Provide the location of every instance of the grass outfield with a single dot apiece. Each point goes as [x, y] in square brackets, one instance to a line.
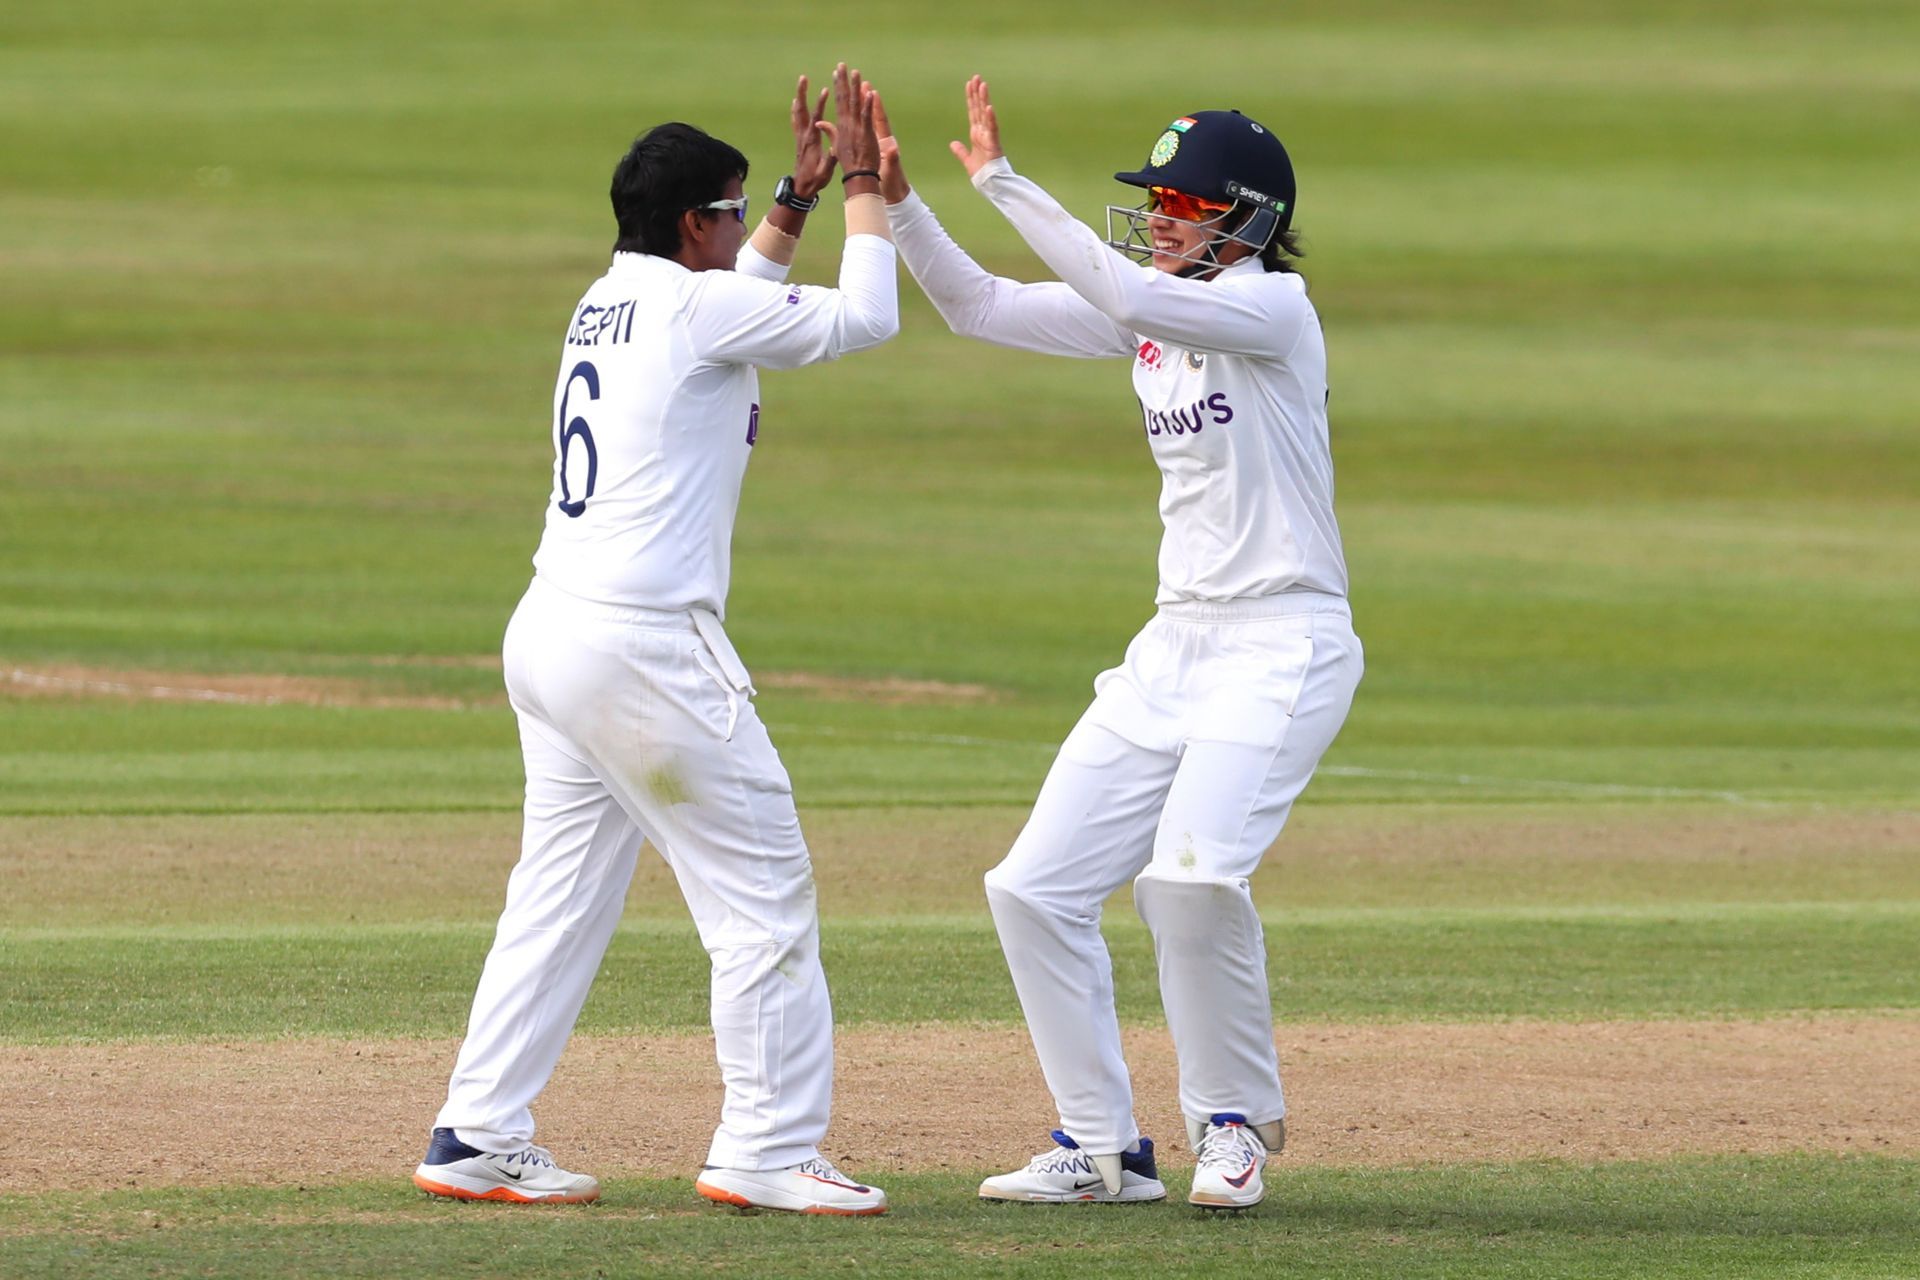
[1781, 1217]
[1418, 966]
[1621, 306]
[1623, 312]
[269, 927]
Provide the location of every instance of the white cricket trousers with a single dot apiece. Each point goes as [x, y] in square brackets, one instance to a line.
[1178, 777]
[636, 723]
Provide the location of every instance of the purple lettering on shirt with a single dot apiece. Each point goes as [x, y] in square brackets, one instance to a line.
[580, 323]
[753, 425]
[1222, 411]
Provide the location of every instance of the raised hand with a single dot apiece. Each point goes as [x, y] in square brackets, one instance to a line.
[983, 130]
[893, 178]
[812, 161]
[855, 146]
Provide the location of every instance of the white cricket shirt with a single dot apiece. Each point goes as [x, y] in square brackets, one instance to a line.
[1231, 375]
[657, 409]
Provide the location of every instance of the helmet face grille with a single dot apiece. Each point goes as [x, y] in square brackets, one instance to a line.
[1130, 230]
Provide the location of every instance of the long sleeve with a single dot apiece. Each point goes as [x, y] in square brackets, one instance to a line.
[1240, 314]
[759, 266]
[737, 318]
[1049, 318]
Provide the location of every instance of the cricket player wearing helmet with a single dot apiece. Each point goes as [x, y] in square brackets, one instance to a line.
[635, 713]
[1181, 773]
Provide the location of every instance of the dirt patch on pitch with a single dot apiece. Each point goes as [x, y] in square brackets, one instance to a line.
[971, 1098]
[883, 690]
[256, 690]
[270, 690]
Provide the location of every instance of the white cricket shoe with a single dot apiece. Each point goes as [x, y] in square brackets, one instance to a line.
[528, 1176]
[812, 1186]
[1065, 1174]
[1231, 1156]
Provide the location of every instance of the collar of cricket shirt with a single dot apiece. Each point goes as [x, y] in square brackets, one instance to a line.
[629, 264]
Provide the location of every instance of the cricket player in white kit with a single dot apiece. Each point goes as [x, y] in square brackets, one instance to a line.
[635, 713]
[1181, 773]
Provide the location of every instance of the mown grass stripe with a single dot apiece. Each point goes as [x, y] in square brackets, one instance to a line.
[1119, 918]
[1395, 966]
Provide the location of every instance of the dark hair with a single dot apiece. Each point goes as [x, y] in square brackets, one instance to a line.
[670, 169]
[1281, 252]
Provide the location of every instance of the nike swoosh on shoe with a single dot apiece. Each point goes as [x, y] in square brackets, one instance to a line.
[850, 1186]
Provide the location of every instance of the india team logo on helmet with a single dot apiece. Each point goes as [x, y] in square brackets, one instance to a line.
[1214, 156]
[1169, 144]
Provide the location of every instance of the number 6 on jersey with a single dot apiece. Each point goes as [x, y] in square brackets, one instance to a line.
[582, 372]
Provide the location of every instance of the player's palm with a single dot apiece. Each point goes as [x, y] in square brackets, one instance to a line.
[983, 130]
[893, 175]
[812, 161]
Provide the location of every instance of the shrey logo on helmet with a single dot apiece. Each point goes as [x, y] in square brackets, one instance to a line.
[1220, 156]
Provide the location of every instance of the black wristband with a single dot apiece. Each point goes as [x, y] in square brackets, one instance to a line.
[851, 174]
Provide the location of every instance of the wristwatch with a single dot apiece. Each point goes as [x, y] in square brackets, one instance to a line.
[783, 194]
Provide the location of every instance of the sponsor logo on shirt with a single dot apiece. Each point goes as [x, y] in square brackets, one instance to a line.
[1189, 420]
[1151, 355]
[793, 296]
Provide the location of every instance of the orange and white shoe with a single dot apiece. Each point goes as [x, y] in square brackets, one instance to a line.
[527, 1176]
[812, 1186]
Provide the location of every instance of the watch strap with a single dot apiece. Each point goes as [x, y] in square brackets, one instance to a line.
[783, 194]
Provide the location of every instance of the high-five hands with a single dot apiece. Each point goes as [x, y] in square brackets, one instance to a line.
[812, 161]
[855, 145]
[893, 178]
[983, 130]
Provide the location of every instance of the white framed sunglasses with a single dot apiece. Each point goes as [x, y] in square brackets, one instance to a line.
[738, 206]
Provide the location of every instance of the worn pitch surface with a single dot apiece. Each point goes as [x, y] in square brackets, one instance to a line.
[969, 1098]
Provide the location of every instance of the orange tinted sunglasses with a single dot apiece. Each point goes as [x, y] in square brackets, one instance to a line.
[1178, 204]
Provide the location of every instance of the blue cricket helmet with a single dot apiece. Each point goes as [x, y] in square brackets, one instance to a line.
[1220, 156]
[1224, 156]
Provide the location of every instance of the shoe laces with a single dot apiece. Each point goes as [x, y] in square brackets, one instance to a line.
[1229, 1148]
[1061, 1158]
[821, 1167]
[533, 1155]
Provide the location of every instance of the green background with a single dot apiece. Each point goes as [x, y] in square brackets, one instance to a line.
[1623, 313]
